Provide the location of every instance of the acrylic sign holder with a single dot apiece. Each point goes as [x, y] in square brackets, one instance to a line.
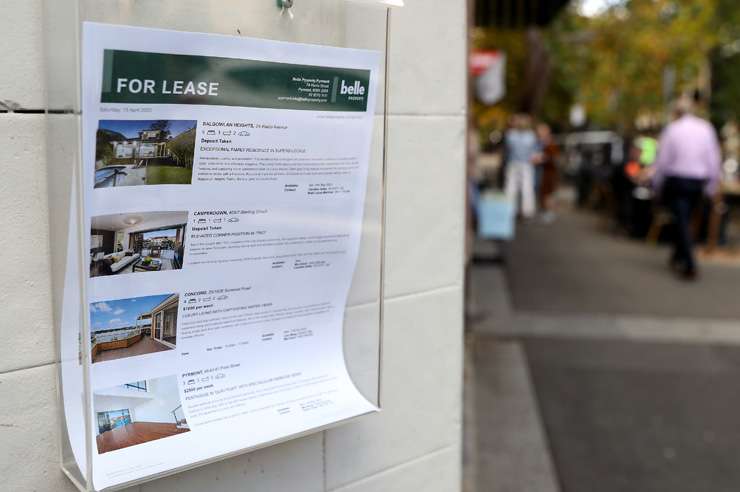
[361, 24]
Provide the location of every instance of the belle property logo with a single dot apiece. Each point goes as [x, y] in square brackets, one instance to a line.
[356, 89]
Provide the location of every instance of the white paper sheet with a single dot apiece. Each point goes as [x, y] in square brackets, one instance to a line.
[224, 187]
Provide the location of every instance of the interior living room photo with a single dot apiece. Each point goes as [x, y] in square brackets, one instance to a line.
[138, 412]
[131, 327]
[137, 242]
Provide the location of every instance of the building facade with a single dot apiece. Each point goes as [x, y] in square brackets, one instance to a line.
[164, 321]
[148, 145]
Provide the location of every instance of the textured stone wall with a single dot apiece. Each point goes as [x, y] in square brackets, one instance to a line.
[414, 443]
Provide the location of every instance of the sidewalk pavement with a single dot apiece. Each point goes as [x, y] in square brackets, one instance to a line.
[577, 266]
[506, 449]
[571, 390]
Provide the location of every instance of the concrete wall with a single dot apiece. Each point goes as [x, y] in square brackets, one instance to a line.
[414, 444]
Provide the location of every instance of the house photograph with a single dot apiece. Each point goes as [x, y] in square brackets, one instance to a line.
[144, 152]
[130, 327]
[137, 242]
[138, 412]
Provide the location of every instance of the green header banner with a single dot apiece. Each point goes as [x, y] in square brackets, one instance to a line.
[157, 78]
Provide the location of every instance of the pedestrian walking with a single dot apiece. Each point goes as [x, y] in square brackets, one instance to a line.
[549, 172]
[522, 153]
[687, 167]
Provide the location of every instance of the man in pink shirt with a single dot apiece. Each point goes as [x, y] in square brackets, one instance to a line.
[688, 165]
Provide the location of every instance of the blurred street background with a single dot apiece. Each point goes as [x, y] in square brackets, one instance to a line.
[603, 252]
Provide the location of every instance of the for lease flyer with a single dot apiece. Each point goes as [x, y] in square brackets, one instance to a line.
[224, 187]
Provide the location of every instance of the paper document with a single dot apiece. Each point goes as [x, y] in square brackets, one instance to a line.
[224, 188]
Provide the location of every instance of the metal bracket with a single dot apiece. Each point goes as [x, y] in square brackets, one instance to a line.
[285, 6]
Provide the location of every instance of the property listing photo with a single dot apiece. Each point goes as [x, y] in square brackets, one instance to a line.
[138, 242]
[144, 152]
[138, 412]
[136, 326]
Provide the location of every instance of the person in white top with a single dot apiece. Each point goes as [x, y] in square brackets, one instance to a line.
[522, 153]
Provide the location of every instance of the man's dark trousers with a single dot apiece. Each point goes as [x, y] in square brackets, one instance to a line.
[682, 195]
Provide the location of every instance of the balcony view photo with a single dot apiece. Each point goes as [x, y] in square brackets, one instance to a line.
[130, 327]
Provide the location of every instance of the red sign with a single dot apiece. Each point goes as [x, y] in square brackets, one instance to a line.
[481, 60]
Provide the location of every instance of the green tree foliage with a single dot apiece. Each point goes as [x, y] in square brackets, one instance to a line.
[162, 125]
[182, 148]
[103, 148]
[725, 103]
[633, 58]
[626, 62]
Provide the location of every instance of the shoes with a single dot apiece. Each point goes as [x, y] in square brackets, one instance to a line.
[547, 217]
[682, 271]
[688, 274]
[675, 264]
